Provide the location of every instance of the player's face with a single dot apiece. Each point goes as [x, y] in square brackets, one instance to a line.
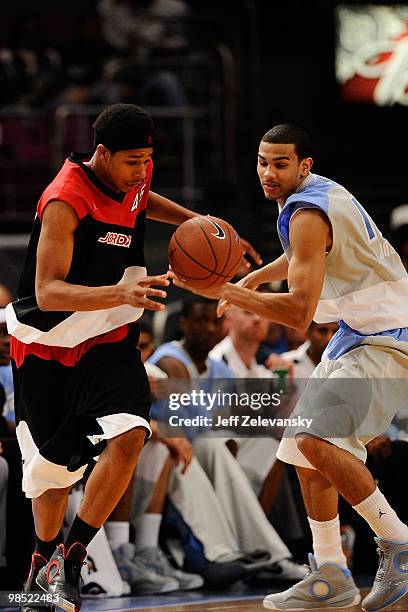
[126, 170]
[320, 336]
[145, 345]
[280, 170]
[248, 326]
[202, 328]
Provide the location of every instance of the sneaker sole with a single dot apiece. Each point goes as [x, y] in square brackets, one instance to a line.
[191, 586]
[269, 605]
[155, 591]
[63, 604]
[390, 602]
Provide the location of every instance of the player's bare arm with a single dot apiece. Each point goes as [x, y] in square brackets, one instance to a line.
[274, 271]
[309, 236]
[162, 209]
[54, 257]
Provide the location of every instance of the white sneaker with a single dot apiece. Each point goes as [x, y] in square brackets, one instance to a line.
[329, 586]
[157, 558]
[285, 570]
[141, 575]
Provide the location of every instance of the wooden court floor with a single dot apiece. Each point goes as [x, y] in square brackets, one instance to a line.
[251, 605]
[233, 606]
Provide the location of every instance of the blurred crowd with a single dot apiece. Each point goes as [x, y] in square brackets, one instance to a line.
[117, 50]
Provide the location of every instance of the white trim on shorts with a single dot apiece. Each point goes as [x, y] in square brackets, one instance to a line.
[40, 475]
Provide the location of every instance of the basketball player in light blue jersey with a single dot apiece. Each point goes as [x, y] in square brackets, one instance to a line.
[339, 268]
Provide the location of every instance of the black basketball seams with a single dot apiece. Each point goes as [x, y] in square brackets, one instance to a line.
[209, 243]
[192, 258]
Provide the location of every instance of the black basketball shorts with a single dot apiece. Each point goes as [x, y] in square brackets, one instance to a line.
[65, 414]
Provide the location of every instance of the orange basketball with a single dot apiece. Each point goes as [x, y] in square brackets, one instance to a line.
[205, 252]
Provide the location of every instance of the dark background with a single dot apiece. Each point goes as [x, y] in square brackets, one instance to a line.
[282, 70]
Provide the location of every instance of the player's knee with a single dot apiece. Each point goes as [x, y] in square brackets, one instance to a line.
[130, 443]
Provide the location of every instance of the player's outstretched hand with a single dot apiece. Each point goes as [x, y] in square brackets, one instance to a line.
[212, 294]
[249, 282]
[139, 292]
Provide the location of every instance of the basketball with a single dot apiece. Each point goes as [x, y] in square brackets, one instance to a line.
[205, 252]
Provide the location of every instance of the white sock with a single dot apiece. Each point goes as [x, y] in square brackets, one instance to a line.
[117, 533]
[382, 519]
[147, 535]
[327, 541]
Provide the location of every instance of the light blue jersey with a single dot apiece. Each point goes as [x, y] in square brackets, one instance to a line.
[216, 376]
[365, 286]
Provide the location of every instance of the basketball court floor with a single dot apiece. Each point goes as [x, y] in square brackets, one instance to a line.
[237, 599]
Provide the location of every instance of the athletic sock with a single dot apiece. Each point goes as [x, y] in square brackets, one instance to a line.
[117, 533]
[327, 541]
[80, 532]
[46, 549]
[147, 535]
[382, 519]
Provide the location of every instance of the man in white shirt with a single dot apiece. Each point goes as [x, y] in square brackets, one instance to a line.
[238, 349]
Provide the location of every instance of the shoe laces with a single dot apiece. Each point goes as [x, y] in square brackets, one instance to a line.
[384, 557]
[164, 561]
[73, 575]
[140, 563]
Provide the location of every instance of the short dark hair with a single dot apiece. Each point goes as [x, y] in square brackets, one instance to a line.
[145, 326]
[289, 133]
[123, 126]
[189, 303]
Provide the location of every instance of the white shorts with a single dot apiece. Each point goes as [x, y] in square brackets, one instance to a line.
[349, 401]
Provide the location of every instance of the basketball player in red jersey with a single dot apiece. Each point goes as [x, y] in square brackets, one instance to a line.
[80, 390]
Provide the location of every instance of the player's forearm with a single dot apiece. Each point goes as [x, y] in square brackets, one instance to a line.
[57, 295]
[293, 310]
[275, 271]
[162, 209]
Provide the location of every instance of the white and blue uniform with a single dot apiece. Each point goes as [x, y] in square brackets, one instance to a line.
[365, 290]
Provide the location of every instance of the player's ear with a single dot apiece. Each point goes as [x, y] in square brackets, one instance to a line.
[103, 152]
[306, 166]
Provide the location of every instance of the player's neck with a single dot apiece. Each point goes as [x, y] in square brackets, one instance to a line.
[198, 356]
[245, 349]
[100, 173]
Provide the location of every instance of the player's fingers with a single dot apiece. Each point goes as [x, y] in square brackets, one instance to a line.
[249, 249]
[152, 305]
[155, 292]
[160, 279]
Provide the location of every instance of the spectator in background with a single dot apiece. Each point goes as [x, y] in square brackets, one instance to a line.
[256, 455]
[309, 354]
[294, 338]
[241, 522]
[142, 31]
[30, 71]
[142, 28]
[16, 523]
[6, 376]
[83, 59]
